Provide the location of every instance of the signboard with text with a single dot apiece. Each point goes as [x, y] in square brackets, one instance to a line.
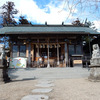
[77, 61]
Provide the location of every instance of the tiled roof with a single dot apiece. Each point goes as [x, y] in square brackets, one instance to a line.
[44, 29]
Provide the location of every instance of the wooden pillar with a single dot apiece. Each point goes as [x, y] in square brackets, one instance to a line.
[89, 45]
[32, 52]
[29, 55]
[26, 50]
[37, 51]
[62, 49]
[66, 54]
[38, 54]
[11, 50]
[18, 53]
[48, 65]
[58, 54]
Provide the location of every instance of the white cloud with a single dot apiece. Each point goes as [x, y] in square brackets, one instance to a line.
[34, 13]
[54, 13]
[29, 8]
[97, 24]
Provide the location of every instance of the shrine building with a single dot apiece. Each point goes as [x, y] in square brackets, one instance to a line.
[47, 45]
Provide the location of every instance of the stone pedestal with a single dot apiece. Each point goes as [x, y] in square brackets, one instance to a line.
[4, 78]
[94, 74]
[5, 72]
[95, 64]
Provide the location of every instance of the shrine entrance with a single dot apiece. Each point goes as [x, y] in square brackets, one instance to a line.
[47, 55]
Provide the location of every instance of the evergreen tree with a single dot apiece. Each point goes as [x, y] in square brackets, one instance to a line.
[23, 20]
[90, 24]
[8, 12]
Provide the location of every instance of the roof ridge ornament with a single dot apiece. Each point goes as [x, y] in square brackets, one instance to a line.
[62, 23]
[46, 23]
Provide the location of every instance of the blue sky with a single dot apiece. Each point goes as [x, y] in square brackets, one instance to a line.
[55, 11]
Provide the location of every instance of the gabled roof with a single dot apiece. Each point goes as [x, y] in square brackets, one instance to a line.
[47, 29]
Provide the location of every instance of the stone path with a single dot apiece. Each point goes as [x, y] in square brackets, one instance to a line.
[35, 97]
[48, 73]
[40, 90]
[43, 87]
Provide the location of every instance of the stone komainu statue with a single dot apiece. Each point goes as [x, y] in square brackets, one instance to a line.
[96, 51]
[95, 64]
[95, 60]
[1, 53]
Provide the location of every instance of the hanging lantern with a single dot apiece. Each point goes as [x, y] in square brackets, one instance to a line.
[43, 45]
[14, 42]
[47, 45]
[37, 46]
[28, 40]
[50, 46]
[24, 42]
[59, 45]
[70, 42]
[55, 46]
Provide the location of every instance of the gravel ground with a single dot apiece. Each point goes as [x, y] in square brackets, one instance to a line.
[64, 89]
[16, 90]
[76, 89]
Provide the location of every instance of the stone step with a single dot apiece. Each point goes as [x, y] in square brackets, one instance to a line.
[42, 90]
[35, 97]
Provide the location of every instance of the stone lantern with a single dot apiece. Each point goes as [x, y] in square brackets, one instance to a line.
[95, 64]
